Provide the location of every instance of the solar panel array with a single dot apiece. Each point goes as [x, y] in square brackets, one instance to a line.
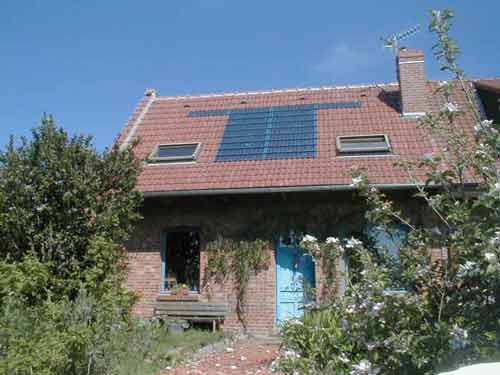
[265, 133]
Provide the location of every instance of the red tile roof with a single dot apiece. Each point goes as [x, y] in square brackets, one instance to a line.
[166, 121]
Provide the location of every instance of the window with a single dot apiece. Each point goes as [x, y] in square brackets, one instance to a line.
[180, 260]
[386, 244]
[175, 152]
[388, 240]
[363, 144]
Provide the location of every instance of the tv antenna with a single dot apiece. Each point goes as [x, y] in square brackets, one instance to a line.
[392, 41]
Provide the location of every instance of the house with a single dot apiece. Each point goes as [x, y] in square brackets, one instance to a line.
[271, 164]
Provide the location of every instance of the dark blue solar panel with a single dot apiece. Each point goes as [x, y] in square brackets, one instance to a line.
[292, 133]
[264, 133]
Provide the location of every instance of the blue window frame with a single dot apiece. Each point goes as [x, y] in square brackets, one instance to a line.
[163, 285]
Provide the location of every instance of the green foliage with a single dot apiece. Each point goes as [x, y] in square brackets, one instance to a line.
[448, 315]
[328, 254]
[370, 329]
[65, 210]
[238, 261]
[28, 279]
[66, 205]
[86, 336]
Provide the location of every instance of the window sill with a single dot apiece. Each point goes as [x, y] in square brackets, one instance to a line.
[194, 296]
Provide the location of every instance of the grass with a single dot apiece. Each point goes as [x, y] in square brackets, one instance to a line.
[167, 350]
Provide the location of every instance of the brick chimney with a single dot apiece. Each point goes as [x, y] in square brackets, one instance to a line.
[412, 82]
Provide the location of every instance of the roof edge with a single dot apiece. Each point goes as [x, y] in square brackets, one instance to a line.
[129, 136]
[263, 190]
[276, 91]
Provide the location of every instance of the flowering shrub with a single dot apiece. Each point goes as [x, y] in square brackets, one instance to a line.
[449, 313]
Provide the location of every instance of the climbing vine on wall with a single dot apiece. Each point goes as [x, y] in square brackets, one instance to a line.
[237, 261]
[327, 253]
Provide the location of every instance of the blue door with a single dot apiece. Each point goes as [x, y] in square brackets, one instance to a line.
[294, 274]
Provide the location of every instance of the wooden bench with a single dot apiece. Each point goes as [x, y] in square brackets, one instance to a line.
[192, 311]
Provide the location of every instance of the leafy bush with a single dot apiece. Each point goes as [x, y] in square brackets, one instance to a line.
[67, 205]
[85, 336]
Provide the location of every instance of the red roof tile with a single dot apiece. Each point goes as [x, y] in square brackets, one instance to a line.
[166, 121]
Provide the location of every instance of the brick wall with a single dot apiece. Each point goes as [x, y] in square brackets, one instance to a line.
[412, 82]
[144, 279]
[322, 214]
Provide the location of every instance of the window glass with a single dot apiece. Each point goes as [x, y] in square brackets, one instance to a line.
[175, 152]
[363, 144]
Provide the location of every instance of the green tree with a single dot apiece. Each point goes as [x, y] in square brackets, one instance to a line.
[67, 206]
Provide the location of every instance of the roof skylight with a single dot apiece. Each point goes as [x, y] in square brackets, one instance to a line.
[179, 152]
[363, 144]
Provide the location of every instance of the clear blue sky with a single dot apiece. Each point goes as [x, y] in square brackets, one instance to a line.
[88, 62]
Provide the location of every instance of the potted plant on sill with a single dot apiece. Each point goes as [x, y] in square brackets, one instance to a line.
[181, 290]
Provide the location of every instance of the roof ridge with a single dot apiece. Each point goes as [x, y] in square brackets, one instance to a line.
[485, 79]
[276, 91]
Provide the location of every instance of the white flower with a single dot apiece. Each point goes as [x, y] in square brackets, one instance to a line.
[332, 240]
[486, 123]
[375, 309]
[291, 354]
[352, 243]
[491, 258]
[468, 269]
[482, 150]
[364, 367]
[450, 107]
[343, 358]
[309, 238]
[483, 125]
[357, 182]
[351, 309]
[310, 242]
[370, 346]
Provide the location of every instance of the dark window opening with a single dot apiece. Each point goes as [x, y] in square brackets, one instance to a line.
[182, 261]
[490, 99]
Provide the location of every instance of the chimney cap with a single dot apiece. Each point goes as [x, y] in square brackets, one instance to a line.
[410, 52]
[150, 92]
